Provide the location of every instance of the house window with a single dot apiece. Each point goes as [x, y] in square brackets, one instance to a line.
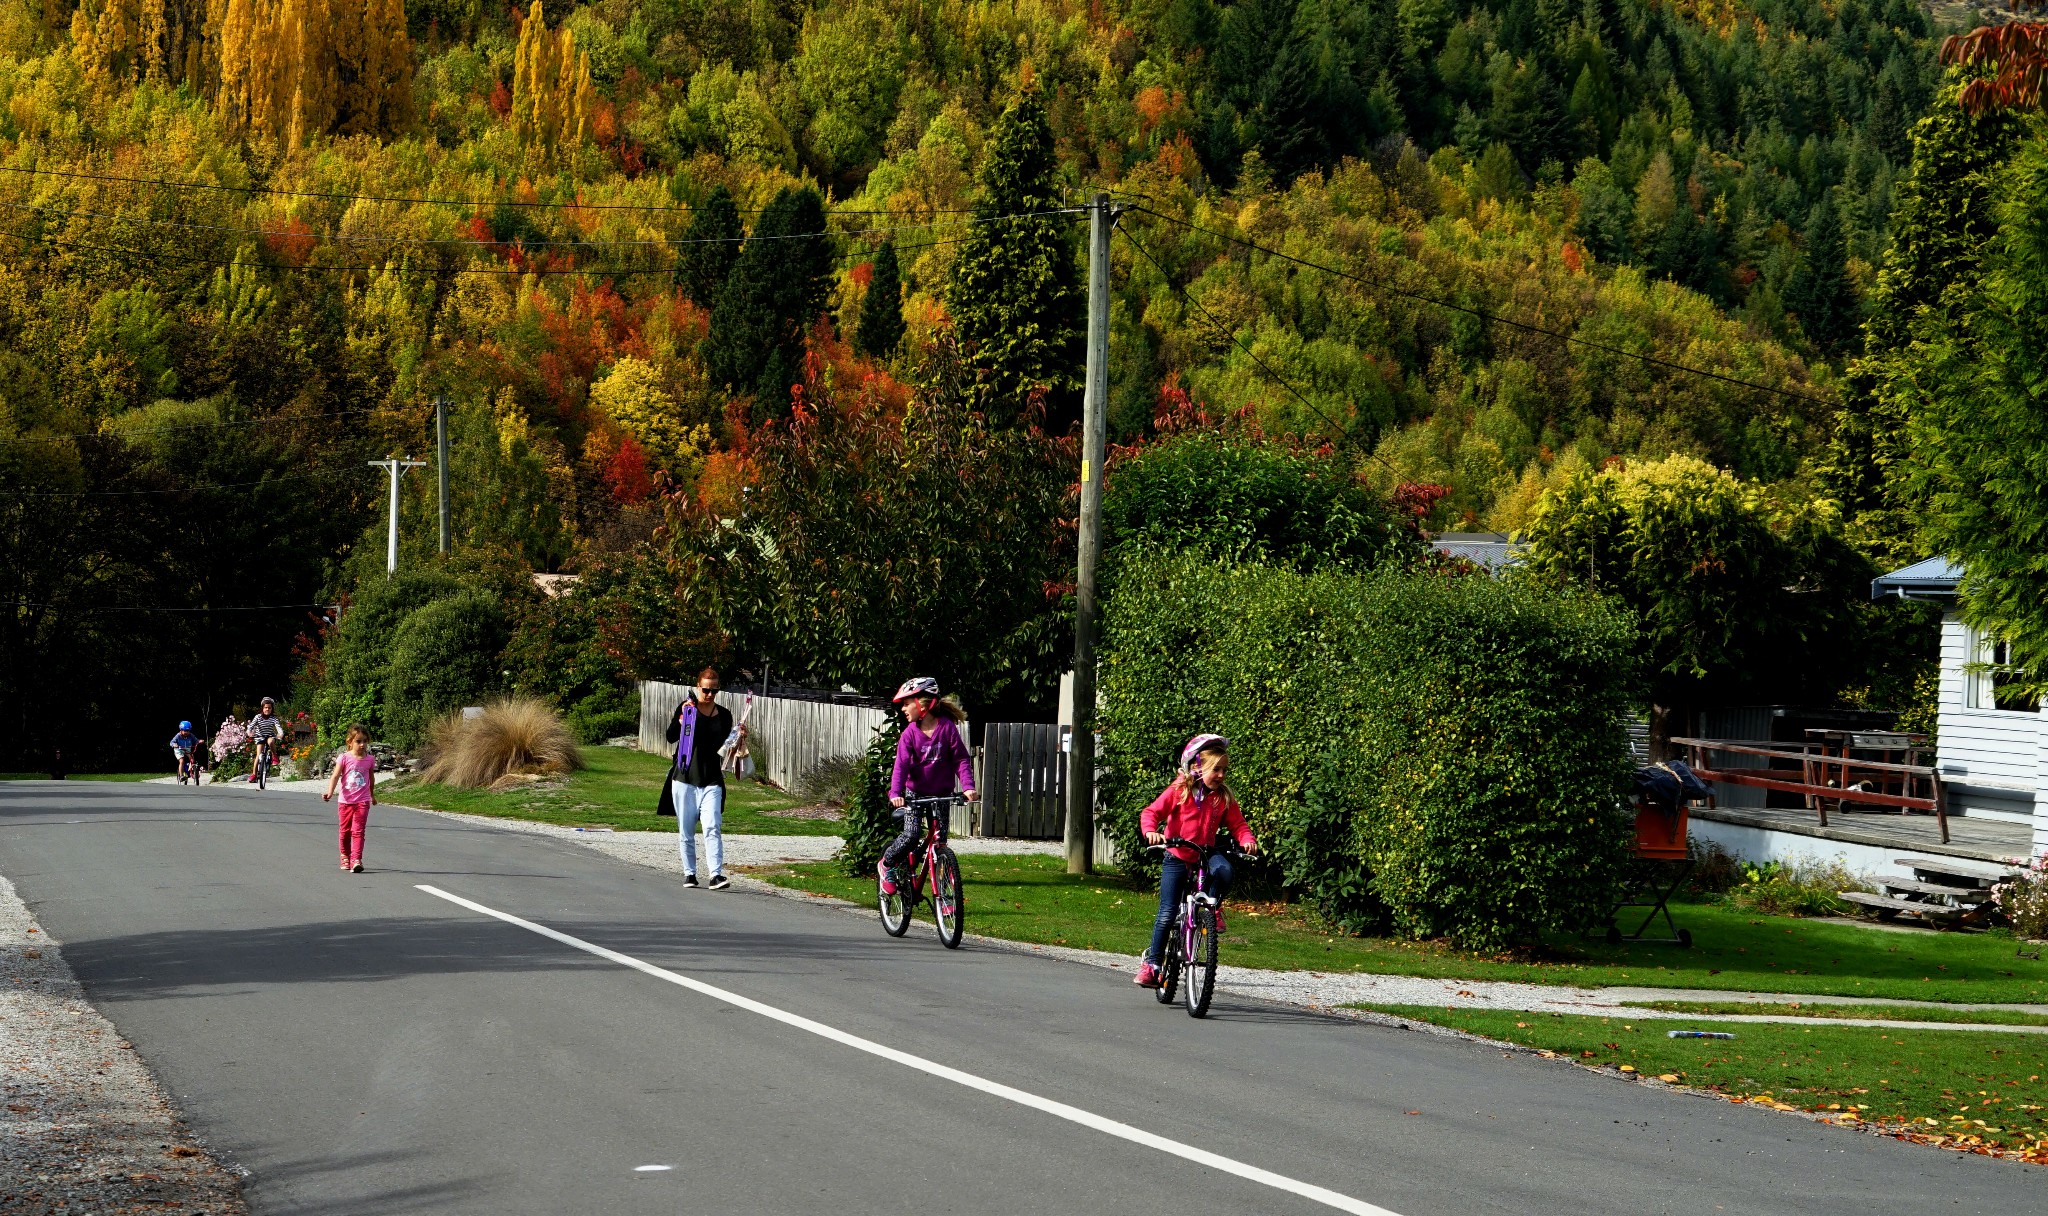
[1993, 681]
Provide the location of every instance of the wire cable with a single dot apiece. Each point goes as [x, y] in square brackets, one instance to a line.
[165, 184]
[196, 488]
[272, 420]
[1276, 377]
[1482, 314]
[139, 608]
[543, 272]
[472, 241]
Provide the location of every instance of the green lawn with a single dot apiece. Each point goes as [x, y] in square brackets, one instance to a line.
[1033, 899]
[619, 787]
[1968, 1083]
[88, 776]
[1890, 1013]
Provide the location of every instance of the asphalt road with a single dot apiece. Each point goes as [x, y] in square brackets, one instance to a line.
[362, 1046]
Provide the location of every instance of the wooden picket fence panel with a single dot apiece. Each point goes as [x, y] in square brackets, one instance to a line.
[1023, 781]
[787, 737]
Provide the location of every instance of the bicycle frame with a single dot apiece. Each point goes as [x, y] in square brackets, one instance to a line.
[925, 858]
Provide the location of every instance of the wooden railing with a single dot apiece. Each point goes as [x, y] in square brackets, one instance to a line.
[1823, 779]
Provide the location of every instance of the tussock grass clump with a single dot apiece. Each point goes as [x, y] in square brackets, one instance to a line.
[514, 739]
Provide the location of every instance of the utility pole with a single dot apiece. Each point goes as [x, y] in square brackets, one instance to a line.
[395, 466]
[1094, 402]
[441, 463]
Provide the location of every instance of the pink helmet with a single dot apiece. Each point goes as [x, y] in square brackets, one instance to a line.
[1199, 744]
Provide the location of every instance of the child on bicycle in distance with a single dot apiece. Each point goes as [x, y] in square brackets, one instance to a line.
[1197, 806]
[183, 744]
[930, 756]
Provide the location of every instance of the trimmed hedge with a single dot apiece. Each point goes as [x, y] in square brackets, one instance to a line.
[1442, 756]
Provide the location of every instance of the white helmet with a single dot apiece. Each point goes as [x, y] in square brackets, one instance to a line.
[916, 686]
[1199, 744]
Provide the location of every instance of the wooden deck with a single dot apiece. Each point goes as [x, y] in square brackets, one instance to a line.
[1981, 839]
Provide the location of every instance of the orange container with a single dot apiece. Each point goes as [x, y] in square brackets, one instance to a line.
[1660, 834]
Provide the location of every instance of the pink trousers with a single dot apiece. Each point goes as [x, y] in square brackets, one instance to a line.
[355, 816]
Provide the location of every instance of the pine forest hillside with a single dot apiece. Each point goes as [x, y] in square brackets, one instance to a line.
[246, 244]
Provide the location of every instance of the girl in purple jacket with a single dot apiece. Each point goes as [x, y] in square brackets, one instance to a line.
[930, 757]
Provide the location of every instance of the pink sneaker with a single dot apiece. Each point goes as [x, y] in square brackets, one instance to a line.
[1147, 977]
[888, 883]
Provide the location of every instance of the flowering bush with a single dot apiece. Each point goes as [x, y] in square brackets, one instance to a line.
[2023, 898]
[232, 737]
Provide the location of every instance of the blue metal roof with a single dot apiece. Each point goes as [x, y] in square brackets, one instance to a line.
[1932, 579]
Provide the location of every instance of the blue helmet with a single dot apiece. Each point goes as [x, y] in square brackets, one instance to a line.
[184, 726]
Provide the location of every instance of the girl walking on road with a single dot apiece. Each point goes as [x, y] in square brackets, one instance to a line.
[355, 773]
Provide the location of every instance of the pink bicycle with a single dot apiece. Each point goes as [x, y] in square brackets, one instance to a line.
[932, 862]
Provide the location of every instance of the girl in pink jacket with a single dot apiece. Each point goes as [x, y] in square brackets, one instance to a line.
[1197, 806]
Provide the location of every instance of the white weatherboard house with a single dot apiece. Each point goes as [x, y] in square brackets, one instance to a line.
[1992, 747]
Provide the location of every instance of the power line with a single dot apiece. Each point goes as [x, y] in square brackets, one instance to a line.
[191, 489]
[663, 243]
[121, 608]
[185, 426]
[542, 272]
[1482, 314]
[338, 196]
[1276, 377]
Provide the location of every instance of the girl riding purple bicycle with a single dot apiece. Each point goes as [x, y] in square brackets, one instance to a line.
[1196, 806]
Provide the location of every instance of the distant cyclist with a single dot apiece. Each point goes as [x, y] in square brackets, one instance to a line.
[183, 745]
[266, 728]
[929, 758]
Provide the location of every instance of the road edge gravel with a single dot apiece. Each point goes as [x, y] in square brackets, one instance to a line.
[84, 1126]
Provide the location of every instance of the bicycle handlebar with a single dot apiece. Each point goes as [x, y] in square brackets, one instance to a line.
[935, 800]
[1175, 841]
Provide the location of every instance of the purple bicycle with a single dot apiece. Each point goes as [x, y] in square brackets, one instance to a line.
[1191, 942]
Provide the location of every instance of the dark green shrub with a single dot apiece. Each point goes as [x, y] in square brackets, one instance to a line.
[555, 653]
[1445, 755]
[871, 822]
[444, 655]
[356, 653]
[1242, 498]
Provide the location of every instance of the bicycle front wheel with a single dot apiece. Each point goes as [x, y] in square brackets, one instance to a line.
[895, 909]
[1169, 968]
[949, 902]
[1202, 965]
[262, 773]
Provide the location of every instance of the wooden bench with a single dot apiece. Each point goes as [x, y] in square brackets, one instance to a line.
[1887, 907]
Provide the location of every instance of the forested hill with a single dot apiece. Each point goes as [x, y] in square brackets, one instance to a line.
[245, 243]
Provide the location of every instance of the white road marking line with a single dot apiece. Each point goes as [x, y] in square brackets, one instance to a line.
[1060, 1110]
[651, 1169]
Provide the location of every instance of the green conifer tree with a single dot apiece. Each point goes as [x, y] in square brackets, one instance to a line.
[1015, 292]
[1819, 292]
[881, 313]
[710, 248]
[773, 293]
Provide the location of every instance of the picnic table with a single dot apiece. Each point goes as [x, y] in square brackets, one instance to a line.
[1944, 892]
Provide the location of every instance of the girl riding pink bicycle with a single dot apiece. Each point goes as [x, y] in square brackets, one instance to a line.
[1196, 807]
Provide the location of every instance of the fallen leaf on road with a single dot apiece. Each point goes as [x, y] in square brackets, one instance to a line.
[1667, 1076]
[1628, 1068]
[1411, 1112]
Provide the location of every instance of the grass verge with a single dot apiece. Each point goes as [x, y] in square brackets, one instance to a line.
[1033, 899]
[618, 787]
[1892, 1013]
[1964, 1089]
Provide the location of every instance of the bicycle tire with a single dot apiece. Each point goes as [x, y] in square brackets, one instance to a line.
[262, 773]
[1169, 967]
[949, 901]
[895, 910]
[1201, 977]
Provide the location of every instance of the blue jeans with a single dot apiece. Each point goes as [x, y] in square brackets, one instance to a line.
[1174, 876]
[708, 803]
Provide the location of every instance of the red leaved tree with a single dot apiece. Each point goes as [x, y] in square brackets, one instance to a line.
[2016, 56]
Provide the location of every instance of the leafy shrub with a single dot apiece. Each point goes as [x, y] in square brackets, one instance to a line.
[870, 821]
[513, 735]
[357, 651]
[1801, 888]
[2023, 900]
[1444, 755]
[444, 656]
[556, 652]
[1239, 497]
[1714, 869]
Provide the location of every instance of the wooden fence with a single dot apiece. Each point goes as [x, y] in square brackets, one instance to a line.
[788, 737]
[1023, 781]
